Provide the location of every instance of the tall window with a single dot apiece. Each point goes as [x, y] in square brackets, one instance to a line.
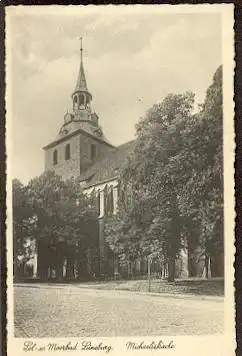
[75, 106]
[105, 196]
[110, 201]
[93, 152]
[98, 202]
[67, 152]
[82, 99]
[55, 157]
[80, 161]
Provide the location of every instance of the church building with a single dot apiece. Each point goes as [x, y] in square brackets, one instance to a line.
[82, 150]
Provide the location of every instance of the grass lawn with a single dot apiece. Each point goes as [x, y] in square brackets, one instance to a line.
[209, 287]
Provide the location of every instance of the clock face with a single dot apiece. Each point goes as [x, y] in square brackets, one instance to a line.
[67, 118]
[98, 131]
[63, 131]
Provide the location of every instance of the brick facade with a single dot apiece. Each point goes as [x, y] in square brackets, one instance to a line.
[80, 154]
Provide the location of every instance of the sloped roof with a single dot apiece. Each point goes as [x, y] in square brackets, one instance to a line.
[108, 167]
[81, 84]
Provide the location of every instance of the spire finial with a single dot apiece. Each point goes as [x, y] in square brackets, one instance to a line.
[81, 49]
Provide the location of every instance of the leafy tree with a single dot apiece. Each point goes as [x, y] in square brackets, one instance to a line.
[201, 201]
[151, 181]
[172, 184]
[22, 222]
[59, 205]
[64, 218]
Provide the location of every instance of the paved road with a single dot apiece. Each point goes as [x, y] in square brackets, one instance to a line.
[71, 311]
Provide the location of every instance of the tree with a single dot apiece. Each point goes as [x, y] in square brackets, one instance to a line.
[172, 184]
[58, 205]
[201, 200]
[63, 218]
[153, 177]
[22, 224]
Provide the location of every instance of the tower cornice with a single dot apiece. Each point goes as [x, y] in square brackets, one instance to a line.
[78, 131]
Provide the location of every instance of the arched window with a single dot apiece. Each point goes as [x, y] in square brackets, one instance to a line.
[55, 157]
[82, 99]
[98, 202]
[81, 160]
[75, 103]
[67, 152]
[105, 195]
[110, 201]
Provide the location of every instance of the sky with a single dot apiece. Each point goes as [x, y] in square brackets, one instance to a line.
[131, 60]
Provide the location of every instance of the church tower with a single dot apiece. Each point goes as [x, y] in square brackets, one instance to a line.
[81, 96]
[80, 141]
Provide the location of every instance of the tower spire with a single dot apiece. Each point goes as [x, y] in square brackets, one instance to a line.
[81, 96]
[81, 84]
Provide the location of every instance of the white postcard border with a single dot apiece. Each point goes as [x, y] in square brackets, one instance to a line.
[184, 345]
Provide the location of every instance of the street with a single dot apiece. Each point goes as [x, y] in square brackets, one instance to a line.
[72, 311]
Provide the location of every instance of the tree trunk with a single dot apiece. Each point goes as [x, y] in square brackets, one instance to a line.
[59, 270]
[217, 265]
[69, 269]
[44, 259]
[171, 268]
[193, 242]
[192, 263]
[207, 265]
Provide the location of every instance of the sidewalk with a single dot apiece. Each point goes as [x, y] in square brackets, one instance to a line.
[99, 287]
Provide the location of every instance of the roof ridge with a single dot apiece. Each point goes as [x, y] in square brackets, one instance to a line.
[126, 143]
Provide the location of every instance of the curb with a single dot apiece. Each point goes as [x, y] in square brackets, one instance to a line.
[183, 296]
[152, 294]
[166, 295]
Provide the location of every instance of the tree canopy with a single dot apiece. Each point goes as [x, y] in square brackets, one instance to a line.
[49, 209]
[172, 184]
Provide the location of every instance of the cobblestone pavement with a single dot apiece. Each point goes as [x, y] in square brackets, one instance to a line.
[70, 311]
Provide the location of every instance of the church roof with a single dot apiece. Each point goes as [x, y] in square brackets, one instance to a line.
[107, 168]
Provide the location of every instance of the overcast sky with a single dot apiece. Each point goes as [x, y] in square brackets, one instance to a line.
[131, 62]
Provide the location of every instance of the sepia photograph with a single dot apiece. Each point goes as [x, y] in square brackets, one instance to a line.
[116, 169]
